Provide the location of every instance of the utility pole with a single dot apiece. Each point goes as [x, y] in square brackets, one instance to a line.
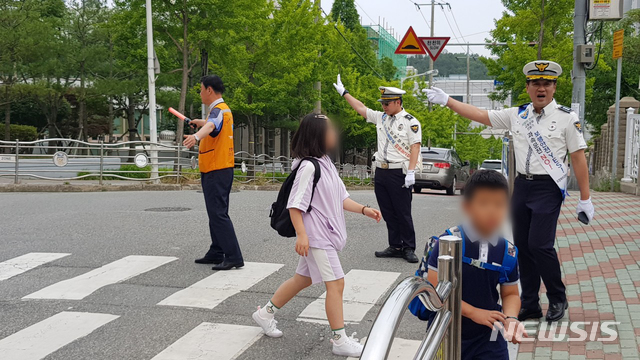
[468, 75]
[153, 127]
[578, 76]
[433, 9]
[317, 86]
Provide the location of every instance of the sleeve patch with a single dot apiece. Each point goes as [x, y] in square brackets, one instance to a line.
[415, 128]
[578, 126]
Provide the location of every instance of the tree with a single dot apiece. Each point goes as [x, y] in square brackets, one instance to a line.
[546, 24]
[345, 12]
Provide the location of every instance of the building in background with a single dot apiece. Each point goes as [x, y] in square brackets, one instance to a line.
[456, 86]
[385, 45]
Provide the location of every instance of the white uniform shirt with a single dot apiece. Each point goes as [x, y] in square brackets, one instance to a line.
[393, 131]
[559, 128]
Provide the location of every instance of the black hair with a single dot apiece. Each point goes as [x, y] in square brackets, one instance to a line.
[214, 82]
[485, 179]
[310, 138]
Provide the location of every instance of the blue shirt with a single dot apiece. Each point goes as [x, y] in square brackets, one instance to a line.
[479, 286]
[216, 117]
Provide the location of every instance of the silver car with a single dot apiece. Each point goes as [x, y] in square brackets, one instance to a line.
[442, 169]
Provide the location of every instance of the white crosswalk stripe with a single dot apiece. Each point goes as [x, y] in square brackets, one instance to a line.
[79, 287]
[212, 290]
[212, 341]
[363, 289]
[51, 334]
[401, 349]
[26, 262]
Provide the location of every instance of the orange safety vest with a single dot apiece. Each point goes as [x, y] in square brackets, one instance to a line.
[216, 153]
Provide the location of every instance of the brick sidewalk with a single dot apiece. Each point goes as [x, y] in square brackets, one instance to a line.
[600, 269]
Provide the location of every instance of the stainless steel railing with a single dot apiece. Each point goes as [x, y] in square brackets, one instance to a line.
[443, 338]
[68, 159]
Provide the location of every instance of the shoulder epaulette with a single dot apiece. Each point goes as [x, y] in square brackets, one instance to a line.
[566, 109]
[408, 116]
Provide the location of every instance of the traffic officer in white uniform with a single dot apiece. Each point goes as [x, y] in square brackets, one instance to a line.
[399, 140]
[543, 134]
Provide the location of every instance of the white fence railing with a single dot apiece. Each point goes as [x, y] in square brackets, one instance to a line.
[68, 159]
[632, 147]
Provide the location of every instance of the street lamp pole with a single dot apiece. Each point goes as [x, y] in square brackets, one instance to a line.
[153, 126]
[430, 72]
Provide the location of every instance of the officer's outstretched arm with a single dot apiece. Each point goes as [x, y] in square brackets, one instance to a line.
[357, 105]
[437, 96]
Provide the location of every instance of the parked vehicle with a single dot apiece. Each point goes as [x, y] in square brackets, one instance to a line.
[492, 165]
[442, 169]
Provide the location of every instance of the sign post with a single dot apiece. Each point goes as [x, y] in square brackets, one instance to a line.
[618, 45]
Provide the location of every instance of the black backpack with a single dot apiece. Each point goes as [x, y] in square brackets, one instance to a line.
[280, 219]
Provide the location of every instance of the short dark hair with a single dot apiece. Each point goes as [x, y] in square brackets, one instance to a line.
[485, 179]
[309, 139]
[214, 82]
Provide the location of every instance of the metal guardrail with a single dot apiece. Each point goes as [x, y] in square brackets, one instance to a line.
[443, 338]
[67, 159]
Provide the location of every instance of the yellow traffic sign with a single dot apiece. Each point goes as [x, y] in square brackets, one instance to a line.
[618, 43]
[410, 44]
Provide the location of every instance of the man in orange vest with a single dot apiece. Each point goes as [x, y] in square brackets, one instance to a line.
[216, 161]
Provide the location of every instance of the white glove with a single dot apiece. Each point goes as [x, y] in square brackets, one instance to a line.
[587, 207]
[437, 96]
[339, 87]
[410, 178]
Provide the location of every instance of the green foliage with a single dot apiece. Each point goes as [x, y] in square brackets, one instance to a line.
[550, 24]
[23, 132]
[345, 12]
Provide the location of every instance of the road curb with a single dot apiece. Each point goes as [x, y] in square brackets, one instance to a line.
[136, 187]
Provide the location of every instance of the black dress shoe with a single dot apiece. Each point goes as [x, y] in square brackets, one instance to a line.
[526, 314]
[209, 261]
[556, 311]
[226, 265]
[409, 255]
[390, 252]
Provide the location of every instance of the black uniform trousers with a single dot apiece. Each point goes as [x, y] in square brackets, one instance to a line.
[535, 207]
[395, 205]
[216, 186]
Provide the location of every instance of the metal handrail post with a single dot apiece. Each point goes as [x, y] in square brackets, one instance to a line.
[16, 180]
[178, 165]
[101, 160]
[450, 270]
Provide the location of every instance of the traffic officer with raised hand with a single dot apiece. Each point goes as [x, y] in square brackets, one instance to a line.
[543, 134]
[399, 140]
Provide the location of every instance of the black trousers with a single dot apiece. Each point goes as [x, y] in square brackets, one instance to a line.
[216, 186]
[395, 205]
[535, 207]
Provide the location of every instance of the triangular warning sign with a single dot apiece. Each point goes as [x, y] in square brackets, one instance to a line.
[434, 45]
[410, 44]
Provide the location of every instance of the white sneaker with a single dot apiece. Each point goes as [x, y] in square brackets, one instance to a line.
[269, 326]
[350, 347]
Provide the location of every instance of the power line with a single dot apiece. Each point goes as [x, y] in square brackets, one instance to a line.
[419, 9]
[450, 27]
[365, 12]
[352, 47]
[456, 22]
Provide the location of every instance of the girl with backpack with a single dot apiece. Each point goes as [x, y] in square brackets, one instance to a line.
[317, 214]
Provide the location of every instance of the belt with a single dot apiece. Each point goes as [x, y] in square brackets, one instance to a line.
[387, 165]
[534, 177]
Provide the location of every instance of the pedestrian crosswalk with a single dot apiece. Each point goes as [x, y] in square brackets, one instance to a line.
[49, 335]
[208, 340]
[24, 263]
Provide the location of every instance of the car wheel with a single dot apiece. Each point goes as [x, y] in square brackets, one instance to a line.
[417, 189]
[452, 190]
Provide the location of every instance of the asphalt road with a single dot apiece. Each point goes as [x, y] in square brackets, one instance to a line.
[97, 229]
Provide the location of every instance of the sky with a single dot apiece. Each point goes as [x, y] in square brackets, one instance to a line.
[475, 18]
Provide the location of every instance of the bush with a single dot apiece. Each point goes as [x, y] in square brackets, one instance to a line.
[23, 132]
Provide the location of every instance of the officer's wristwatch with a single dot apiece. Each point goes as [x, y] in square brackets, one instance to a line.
[196, 137]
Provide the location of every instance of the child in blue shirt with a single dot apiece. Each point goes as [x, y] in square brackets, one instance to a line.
[489, 263]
